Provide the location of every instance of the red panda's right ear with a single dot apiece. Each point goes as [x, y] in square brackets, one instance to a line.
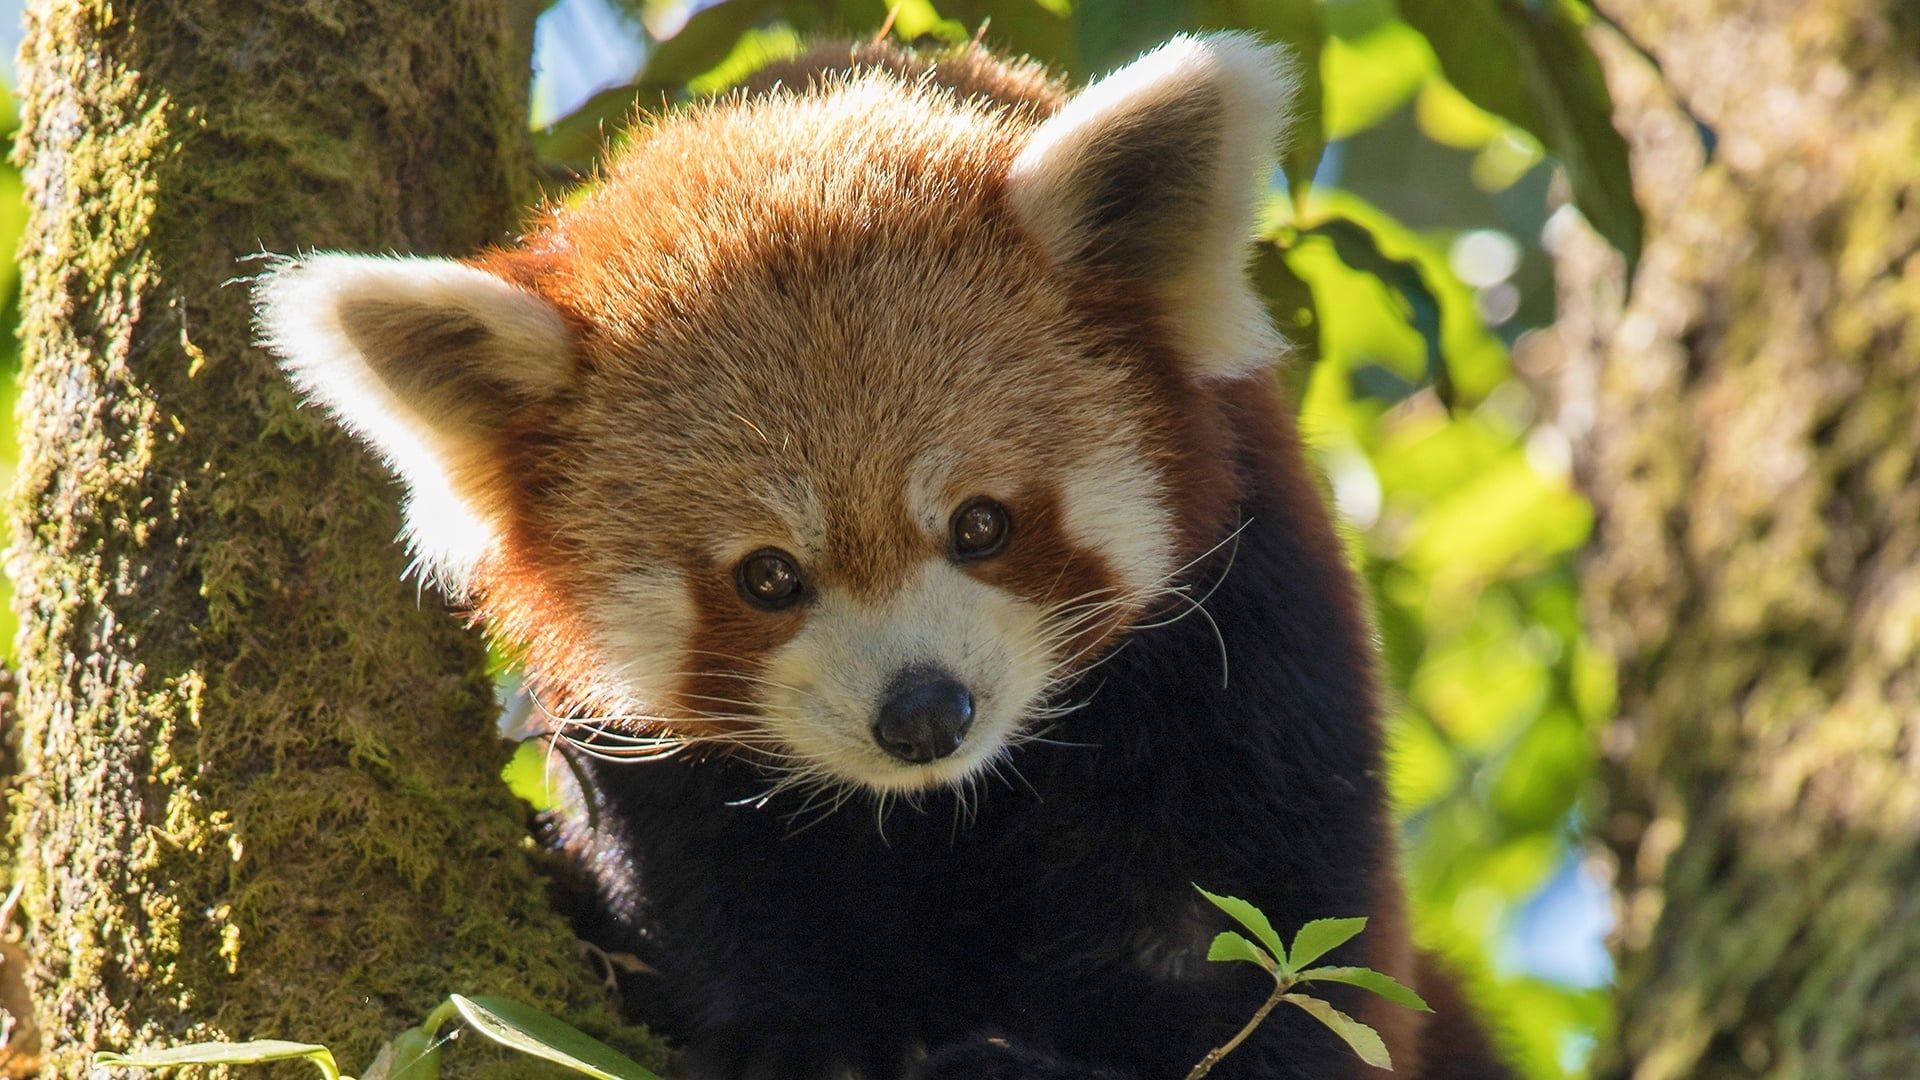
[1152, 177]
[424, 360]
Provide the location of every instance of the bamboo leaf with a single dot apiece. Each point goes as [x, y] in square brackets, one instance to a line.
[416, 1055]
[576, 140]
[1364, 1040]
[1367, 979]
[536, 1034]
[258, 1052]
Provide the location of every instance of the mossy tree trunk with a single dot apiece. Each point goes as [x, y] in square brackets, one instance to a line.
[259, 788]
[1748, 424]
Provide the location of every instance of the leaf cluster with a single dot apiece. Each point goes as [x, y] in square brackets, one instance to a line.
[415, 1053]
[1290, 970]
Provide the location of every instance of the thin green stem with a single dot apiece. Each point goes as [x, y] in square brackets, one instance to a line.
[438, 1018]
[1280, 988]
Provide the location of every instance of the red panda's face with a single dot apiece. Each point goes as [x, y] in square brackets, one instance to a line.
[846, 427]
[864, 506]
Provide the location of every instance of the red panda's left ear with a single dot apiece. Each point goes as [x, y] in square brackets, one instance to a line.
[1152, 175]
[429, 362]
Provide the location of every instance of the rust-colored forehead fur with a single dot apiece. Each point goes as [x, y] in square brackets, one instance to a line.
[791, 308]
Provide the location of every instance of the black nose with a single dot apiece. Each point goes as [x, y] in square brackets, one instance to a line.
[925, 719]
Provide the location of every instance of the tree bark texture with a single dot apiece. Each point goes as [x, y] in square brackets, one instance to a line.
[1747, 424]
[259, 790]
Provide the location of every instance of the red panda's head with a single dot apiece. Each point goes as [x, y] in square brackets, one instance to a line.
[843, 425]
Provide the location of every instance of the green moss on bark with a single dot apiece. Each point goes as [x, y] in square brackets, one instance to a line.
[1748, 425]
[259, 791]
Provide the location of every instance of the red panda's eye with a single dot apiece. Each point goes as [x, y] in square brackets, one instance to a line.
[980, 529]
[769, 579]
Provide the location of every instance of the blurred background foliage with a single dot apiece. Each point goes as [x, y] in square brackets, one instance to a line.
[1407, 248]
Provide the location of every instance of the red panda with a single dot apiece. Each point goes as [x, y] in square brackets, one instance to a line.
[898, 435]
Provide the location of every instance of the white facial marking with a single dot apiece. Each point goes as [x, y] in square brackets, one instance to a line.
[1116, 507]
[927, 497]
[796, 506]
[643, 621]
[841, 665]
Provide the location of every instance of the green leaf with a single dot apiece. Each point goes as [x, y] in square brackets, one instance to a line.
[1044, 31]
[1253, 919]
[1231, 946]
[416, 1055]
[258, 1052]
[1479, 56]
[703, 41]
[706, 40]
[1300, 25]
[1364, 1040]
[751, 52]
[1579, 112]
[1367, 979]
[1526, 60]
[1113, 32]
[1290, 303]
[1371, 75]
[534, 1033]
[1357, 248]
[1322, 936]
[577, 139]
[1709, 138]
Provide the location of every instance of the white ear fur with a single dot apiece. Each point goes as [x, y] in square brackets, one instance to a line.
[420, 359]
[1152, 174]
